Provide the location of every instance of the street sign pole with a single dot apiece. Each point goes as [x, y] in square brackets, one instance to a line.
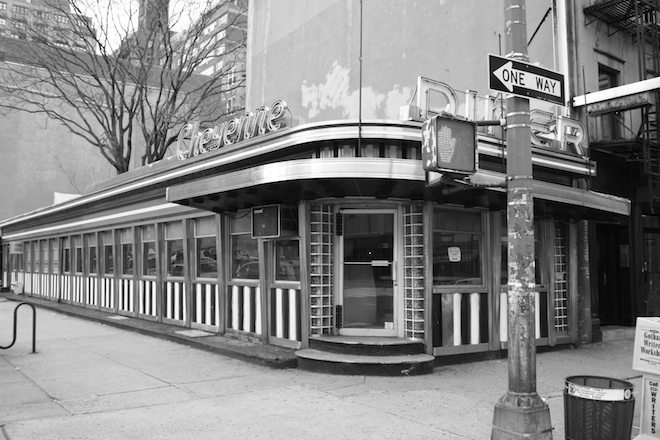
[520, 413]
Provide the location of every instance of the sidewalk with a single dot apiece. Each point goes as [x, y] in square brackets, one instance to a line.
[90, 380]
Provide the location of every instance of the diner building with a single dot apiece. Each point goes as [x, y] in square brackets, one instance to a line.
[310, 222]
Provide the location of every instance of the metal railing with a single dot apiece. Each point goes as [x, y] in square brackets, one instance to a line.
[34, 327]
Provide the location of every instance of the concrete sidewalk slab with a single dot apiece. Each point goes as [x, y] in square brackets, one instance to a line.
[90, 380]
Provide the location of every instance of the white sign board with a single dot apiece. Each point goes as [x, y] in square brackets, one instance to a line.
[646, 354]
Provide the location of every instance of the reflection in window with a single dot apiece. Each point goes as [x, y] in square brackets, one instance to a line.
[55, 253]
[79, 254]
[127, 259]
[66, 256]
[287, 264]
[456, 248]
[148, 250]
[127, 263]
[91, 265]
[108, 260]
[206, 258]
[45, 265]
[244, 249]
[175, 259]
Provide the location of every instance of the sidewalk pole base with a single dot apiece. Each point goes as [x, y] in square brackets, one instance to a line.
[521, 416]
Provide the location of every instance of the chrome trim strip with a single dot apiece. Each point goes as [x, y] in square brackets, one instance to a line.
[370, 168]
[280, 140]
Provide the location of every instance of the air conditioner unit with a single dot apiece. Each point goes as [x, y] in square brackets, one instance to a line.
[274, 221]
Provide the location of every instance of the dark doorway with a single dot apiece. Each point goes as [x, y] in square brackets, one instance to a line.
[613, 275]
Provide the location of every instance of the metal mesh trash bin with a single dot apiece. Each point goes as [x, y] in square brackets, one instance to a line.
[598, 408]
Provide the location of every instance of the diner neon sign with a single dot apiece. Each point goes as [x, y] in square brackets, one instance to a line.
[192, 141]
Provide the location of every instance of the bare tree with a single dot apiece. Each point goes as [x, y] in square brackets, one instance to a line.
[121, 78]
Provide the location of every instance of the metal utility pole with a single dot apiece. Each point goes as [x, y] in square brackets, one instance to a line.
[520, 413]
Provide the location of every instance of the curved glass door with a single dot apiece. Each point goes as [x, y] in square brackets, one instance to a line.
[368, 272]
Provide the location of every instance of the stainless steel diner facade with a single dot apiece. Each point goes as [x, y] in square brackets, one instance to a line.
[325, 228]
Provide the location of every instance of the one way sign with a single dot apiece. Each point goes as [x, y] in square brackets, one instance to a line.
[523, 79]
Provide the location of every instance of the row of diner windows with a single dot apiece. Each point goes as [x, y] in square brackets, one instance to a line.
[457, 249]
[93, 254]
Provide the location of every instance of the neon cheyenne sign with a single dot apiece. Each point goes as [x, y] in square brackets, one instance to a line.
[192, 141]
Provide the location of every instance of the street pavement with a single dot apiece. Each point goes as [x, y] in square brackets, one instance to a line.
[90, 380]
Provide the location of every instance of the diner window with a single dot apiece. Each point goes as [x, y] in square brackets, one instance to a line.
[45, 265]
[92, 262]
[148, 240]
[108, 255]
[457, 244]
[206, 256]
[66, 255]
[79, 253]
[36, 256]
[126, 241]
[244, 249]
[55, 254]
[287, 260]
[175, 258]
[27, 250]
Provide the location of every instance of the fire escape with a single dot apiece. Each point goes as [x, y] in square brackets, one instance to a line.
[639, 19]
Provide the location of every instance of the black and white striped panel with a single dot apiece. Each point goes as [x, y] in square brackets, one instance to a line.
[175, 300]
[285, 313]
[77, 289]
[245, 309]
[107, 294]
[125, 296]
[147, 298]
[52, 281]
[463, 319]
[28, 285]
[65, 287]
[91, 291]
[206, 304]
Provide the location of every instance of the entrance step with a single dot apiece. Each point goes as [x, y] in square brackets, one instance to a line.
[368, 346]
[359, 355]
[369, 365]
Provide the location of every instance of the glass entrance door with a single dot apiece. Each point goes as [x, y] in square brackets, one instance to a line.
[368, 273]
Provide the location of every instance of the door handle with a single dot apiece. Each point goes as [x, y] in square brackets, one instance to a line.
[394, 280]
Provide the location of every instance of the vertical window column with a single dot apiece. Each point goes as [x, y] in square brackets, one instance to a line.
[174, 298]
[107, 287]
[206, 295]
[147, 285]
[125, 287]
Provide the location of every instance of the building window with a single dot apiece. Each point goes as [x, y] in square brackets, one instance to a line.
[91, 266]
[148, 243]
[287, 260]
[55, 255]
[66, 255]
[611, 122]
[457, 239]
[126, 241]
[79, 254]
[244, 249]
[230, 104]
[3, 6]
[232, 76]
[108, 255]
[175, 257]
[43, 249]
[206, 256]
